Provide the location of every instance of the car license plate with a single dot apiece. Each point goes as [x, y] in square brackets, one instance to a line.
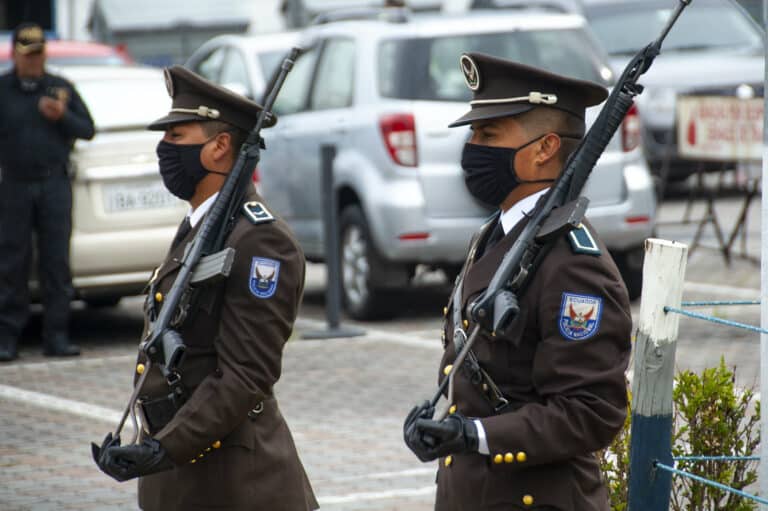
[130, 197]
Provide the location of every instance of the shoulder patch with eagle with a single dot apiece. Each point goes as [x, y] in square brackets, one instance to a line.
[579, 316]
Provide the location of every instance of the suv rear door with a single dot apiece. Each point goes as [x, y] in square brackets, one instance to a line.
[312, 111]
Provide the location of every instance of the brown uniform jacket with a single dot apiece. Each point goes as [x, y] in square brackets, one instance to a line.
[562, 369]
[231, 445]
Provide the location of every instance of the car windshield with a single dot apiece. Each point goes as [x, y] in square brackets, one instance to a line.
[626, 28]
[124, 103]
[428, 68]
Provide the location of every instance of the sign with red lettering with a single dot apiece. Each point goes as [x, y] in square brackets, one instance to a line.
[720, 128]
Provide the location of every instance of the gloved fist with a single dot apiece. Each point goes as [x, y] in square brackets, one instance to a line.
[453, 435]
[416, 442]
[124, 463]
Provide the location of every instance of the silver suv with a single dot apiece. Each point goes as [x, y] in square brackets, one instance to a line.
[384, 93]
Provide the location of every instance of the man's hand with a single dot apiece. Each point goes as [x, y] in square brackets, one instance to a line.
[52, 109]
[453, 435]
[416, 442]
[123, 463]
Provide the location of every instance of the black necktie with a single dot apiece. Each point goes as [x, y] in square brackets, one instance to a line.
[496, 234]
[182, 232]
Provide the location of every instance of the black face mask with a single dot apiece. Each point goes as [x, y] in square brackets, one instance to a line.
[489, 172]
[181, 168]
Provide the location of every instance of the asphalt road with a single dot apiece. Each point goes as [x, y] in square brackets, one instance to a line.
[344, 399]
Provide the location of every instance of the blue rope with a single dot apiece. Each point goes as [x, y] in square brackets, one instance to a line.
[709, 482]
[719, 302]
[717, 458]
[714, 319]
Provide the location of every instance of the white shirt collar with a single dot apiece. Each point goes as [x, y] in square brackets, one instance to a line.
[513, 215]
[195, 215]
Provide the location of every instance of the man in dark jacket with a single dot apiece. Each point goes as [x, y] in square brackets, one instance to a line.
[41, 115]
[224, 443]
[530, 406]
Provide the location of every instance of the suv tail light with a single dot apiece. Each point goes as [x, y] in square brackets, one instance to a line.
[630, 130]
[399, 132]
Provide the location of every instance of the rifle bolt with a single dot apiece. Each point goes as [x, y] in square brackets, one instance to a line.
[140, 369]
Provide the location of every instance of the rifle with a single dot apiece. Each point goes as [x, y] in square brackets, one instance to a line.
[203, 262]
[560, 210]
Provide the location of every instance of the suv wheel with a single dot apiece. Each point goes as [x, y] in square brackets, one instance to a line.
[630, 264]
[359, 264]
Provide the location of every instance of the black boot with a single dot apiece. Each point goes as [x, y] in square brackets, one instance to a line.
[59, 346]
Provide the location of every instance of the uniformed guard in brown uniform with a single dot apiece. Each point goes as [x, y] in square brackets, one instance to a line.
[531, 406]
[222, 442]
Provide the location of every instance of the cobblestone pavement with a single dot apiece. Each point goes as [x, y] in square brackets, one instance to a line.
[344, 399]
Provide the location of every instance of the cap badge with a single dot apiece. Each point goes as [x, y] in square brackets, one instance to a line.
[168, 81]
[32, 34]
[471, 73]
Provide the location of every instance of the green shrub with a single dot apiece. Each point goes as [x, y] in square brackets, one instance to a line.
[712, 418]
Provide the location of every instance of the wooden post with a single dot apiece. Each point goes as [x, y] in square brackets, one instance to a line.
[654, 369]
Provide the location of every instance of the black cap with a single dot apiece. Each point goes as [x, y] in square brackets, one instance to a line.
[502, 88]
[195, 99]
[28, 38]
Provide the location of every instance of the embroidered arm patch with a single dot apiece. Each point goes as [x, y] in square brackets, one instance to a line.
[580, 316]
[264, 275]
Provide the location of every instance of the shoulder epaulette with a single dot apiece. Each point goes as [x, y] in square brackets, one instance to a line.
[582, 241]
[257, 213]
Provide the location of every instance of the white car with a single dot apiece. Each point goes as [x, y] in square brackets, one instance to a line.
[123, 218]
[243, 64]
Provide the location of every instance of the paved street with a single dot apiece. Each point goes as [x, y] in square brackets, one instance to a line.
[344, 399]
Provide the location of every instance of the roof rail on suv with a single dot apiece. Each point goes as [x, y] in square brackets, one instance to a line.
[388, 14]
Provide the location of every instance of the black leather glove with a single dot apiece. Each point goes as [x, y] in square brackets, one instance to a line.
[124, 463]
[453, 435]
[420, 445]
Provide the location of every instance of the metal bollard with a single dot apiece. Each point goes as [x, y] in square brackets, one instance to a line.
[332, 256]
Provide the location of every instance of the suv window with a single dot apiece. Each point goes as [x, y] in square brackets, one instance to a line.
[234, 72]
[335, 75]
[295, 91]
[428, 68]
[210, 66]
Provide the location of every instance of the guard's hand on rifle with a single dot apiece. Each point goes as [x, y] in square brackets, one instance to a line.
[123, 463]
[416, 442]
[455, 434]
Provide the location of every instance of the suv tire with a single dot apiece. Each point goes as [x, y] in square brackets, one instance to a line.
[360, 264]
[630, 264]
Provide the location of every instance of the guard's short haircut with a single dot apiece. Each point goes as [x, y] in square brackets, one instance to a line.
[213, 128]
[540, 121]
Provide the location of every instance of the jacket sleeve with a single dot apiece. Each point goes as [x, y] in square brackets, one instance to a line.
[581, 382]
[76, 121]
[251, 335]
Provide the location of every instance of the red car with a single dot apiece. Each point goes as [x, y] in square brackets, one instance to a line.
[63, 53]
